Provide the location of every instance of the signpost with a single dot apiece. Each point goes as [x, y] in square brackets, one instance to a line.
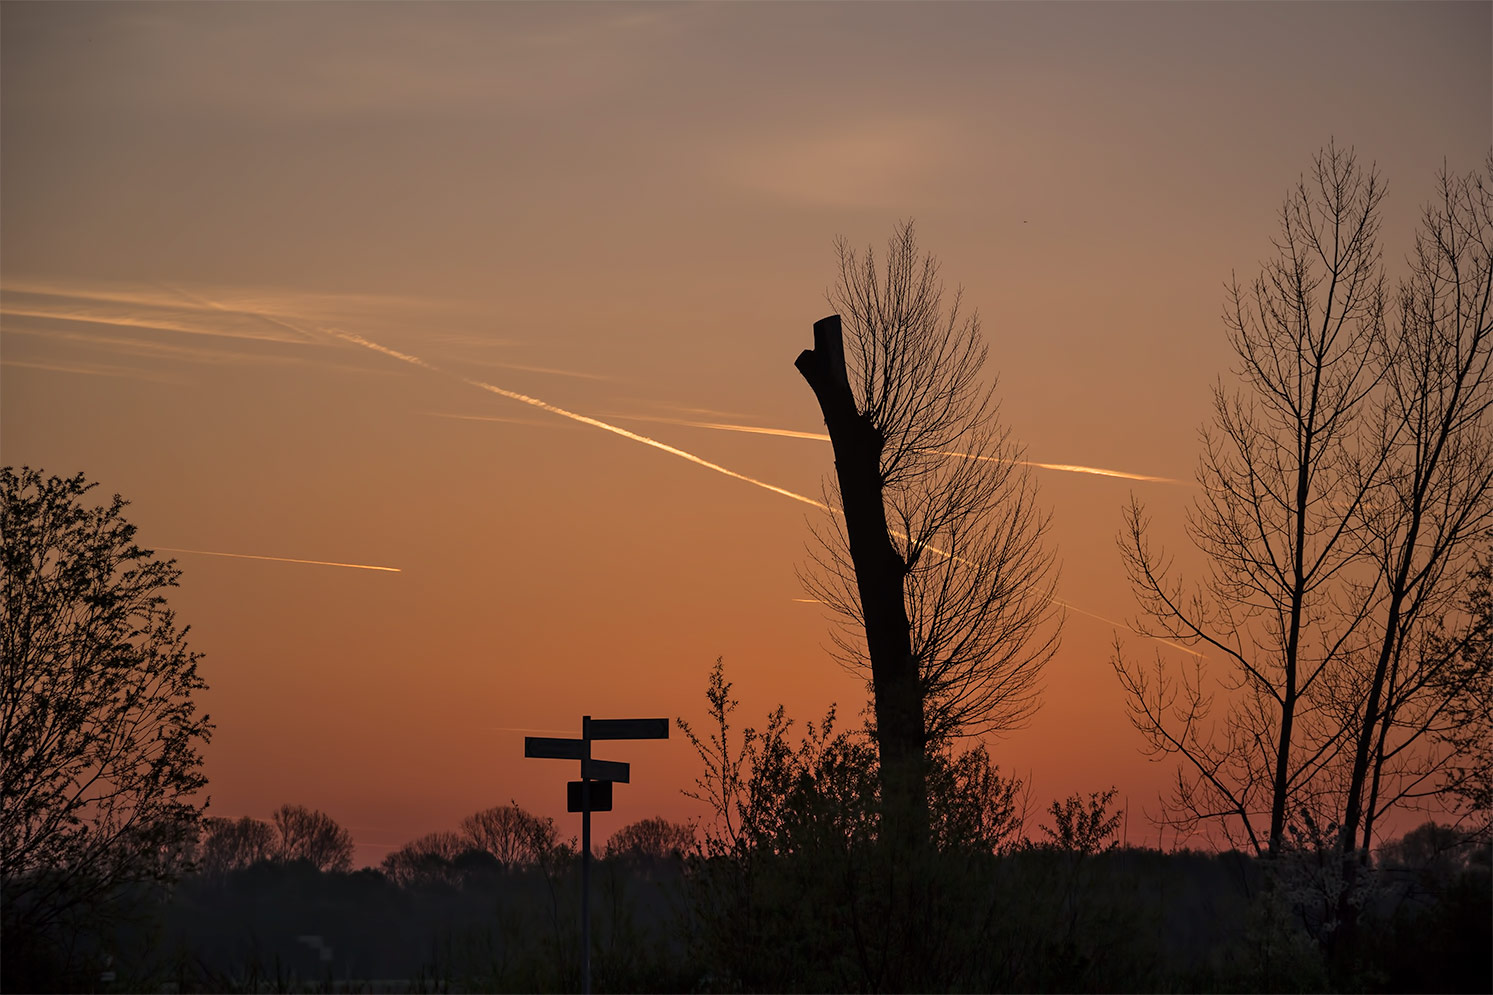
[592, 793]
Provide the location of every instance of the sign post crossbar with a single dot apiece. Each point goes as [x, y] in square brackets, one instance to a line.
[592, 793]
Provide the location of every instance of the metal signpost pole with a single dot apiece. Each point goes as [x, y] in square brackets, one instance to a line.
[592, 791]
[585, 858]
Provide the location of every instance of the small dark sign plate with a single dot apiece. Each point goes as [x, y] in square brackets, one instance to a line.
[601, 796]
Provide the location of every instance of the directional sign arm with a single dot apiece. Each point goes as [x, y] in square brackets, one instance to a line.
[549, 748]
[626, 729]
[604, 770]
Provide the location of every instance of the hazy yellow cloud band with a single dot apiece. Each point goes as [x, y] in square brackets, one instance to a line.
[144, 323]
[789, 433]
[280, 559]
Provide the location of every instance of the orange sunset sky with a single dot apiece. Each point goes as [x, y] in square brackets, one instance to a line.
[257, 261]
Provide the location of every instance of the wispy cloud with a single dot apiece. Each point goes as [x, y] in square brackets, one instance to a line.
[93, 370]
[505, 419]
[548, 370]
[149, 348]
[279, 559]
[143, 312]
[894, 156]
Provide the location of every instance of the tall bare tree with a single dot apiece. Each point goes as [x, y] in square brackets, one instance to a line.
[1347, 492]
[1280, 606]
[1431, 508]
[937, 562]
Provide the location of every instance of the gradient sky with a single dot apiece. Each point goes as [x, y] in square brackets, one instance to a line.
[257, 260]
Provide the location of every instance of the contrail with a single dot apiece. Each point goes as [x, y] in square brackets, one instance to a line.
[645, 440]
[405, 357]
[505, 419]
[280, 559]
[789, 433]
[1122, 625]
[607, 426]
[1074, 468]
[1100, 471]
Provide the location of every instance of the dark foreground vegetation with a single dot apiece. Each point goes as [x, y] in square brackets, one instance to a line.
[1034, 918]
[789, 888]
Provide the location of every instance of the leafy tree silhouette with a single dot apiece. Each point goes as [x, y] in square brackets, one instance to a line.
[100, 740]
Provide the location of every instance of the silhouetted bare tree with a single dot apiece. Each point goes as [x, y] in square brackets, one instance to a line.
[431, 858]
[233, 844]
[1346, 493]
[512, 835]
[313, 836]
[937, 562]
[655, 838]
[99, 735]
[1430, 509]
[1284, 480]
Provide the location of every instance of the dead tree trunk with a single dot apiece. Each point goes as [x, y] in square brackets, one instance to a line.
[879, 574]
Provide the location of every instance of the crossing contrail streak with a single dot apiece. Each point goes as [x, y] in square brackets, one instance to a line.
[557, 410]
[786, 433]
[672, 450]
[1122, 625]
[1074, 468]
[789, 433]
[279, 559]
[634, 436]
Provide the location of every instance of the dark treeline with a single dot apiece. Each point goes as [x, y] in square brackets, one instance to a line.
[783, 889]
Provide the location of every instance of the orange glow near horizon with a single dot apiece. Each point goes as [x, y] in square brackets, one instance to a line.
[361, 296]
